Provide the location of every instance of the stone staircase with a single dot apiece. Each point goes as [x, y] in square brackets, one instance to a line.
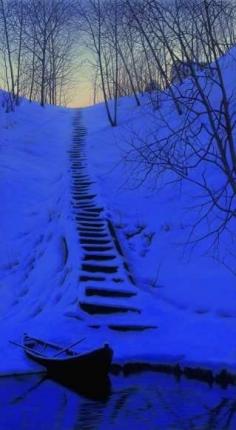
[106, 285]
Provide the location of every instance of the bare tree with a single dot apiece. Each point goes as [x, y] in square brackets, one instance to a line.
[203, 142]
[36, 47]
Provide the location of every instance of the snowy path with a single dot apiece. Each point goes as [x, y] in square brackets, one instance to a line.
[106, 285]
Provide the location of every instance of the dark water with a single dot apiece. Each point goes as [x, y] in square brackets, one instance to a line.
[148, 401]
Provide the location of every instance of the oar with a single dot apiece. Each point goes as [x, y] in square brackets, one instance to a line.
[23, 347]
[47, 343]
[68, 347]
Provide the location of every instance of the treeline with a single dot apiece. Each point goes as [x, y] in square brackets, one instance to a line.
[152, 46]
[137, 46]
[35, 49]
[145, 45]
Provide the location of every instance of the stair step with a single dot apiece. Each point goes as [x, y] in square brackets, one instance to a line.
[77, 194]
[81, 205]
[94, 242]
[98, 248]
[92, 268]
[84, 181]
[94, 210]
[92, 224]
[94, 235]
[92, 216]
[92, 230]
[80, 186]
[78, 181]
[91, 278]
[85, 196]
[131, 327]
[88, 217]
[89, 220]
[81, 190]
[99, 257]
[105, 292]
[96, 308]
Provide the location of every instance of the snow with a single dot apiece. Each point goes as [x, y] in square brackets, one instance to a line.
[187, 293]
[35, 222]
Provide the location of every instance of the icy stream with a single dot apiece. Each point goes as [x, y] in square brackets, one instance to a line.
[148, 401]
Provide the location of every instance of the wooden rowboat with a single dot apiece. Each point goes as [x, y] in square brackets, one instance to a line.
[67, 364]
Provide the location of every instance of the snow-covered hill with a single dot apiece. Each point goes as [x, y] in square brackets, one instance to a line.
[190, 296]
[35, 219]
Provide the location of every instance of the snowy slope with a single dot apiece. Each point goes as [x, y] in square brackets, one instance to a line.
[36, 225]
[40, 255]
[189, 296]
[194, 291]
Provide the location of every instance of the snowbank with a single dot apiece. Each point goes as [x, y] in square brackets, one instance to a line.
[193, 292]
[189, 296]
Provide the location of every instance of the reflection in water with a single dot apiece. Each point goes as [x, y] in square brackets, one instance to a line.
[139, 402]
[93, 388]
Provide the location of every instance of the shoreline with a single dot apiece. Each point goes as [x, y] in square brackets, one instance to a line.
[222, 377]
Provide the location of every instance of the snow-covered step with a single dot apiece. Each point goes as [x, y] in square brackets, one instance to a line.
[106, 307]
[83, 179]
[102, 227]
[99, 262]
[93, 210]
[81, 189]
[111, 291]
[96, 268]
[78, 197]
[91, 233]
[89, 224]
[78, 165]
[98, 248]
[122, 327]
[86, 209]
[85, 196]
[88, 277]
[81, 218]
[78, 206]
[104, 279]
[99, 257]
[80, 186]
[94, 235]
[91, 230]
[95, 241]
[81, 176]
[117, 278]
[90, 215]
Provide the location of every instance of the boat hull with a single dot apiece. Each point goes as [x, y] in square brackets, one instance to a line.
[68, 366]
[96, 362]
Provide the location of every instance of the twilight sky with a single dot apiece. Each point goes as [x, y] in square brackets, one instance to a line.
[81, 92]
